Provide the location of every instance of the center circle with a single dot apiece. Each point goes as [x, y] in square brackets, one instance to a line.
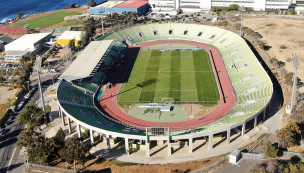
[169, 71]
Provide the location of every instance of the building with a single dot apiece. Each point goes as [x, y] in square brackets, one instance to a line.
[29, 42]
[15, 55]
[120, 7]
[65, 38]
[235, 156]
[206, 5]
[25, 45]
[5, 40]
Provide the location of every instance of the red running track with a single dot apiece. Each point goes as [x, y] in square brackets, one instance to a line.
[116, 77]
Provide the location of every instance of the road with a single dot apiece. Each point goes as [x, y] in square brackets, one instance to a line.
[8, 141]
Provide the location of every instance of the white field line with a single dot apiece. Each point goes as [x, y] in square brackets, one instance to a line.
[10, 162]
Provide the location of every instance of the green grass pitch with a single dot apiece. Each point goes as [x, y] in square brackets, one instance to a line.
[181, 74]
[45, 20]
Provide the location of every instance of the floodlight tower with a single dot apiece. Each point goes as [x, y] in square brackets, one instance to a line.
[101, 10]
[242, 9]
[38, 67]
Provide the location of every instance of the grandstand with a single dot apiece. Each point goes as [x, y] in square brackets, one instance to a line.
[246, 89]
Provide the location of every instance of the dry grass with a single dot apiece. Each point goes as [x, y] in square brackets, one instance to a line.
[108, 166]
[53, 91]
[3, 108]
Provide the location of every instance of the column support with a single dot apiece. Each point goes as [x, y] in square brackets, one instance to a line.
[210, 141]
[127, 146]
[92, 136]
[255, 121]
[191, 145]
[59, 110]
[228, 136]
[264, 114]
[243, 129]
[78, 130]
[62, 117]
[69, 124]
[169, 146]
[108, 142]
[147, 146]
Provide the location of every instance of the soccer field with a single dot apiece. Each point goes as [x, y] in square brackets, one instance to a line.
[182, 74]
[45, 20]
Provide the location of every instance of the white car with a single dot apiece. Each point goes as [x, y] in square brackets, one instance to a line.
[20, 105]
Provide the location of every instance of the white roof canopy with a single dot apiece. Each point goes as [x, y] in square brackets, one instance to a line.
[26, 42]
[69, 35]
[85, 63]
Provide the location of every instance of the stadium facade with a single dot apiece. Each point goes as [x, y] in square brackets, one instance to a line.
[82, 100]
[206, 5]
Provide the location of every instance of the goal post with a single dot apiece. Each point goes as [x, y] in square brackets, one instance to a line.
[167, 100]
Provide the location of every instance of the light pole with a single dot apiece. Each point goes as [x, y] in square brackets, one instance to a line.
[38, 67]
[101, 10]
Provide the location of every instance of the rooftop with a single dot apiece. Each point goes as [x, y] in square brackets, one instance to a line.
[68, 35]
[27, 41]
[6, 39]
[85, 63]
[110, 4]
[131, 4]
[16, 52]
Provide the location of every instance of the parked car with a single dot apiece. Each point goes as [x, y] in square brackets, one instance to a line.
[7, 123]
[1, 131]
[20, 105]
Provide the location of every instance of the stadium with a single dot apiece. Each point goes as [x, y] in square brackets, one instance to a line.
[131, 86]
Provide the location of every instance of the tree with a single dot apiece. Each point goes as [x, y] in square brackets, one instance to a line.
[267, 166]
[26, 137]
[60, 137]
[74, 150]
[288, 78]
[72, 5]
[19, 16]
[91, 3]
[289, 135]
[71, 44]
[31, 115]
[215, 9]
[291, 11]
[89, 27]
[233, 7]
[269, 150]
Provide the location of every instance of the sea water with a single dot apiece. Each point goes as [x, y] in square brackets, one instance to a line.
[10, 8]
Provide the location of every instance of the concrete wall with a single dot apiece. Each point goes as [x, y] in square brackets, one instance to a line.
[66, 42]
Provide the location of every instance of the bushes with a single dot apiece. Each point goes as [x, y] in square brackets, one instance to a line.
[283, 46]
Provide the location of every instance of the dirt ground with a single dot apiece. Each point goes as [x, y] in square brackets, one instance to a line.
[196, 110]
[281, 31]
[107, 166]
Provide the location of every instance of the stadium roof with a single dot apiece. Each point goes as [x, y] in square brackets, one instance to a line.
[110, 4]
[85, 63]
[69, 35]
[26, 42]
[131, 4]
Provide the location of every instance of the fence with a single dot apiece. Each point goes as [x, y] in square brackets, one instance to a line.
[290, 154]
[49, 168]
[208, 168]
[253, 156]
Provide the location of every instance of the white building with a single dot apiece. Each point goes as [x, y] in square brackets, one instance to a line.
[24, 45]
[206, 5]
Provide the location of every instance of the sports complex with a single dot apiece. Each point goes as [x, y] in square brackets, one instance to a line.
[133, 85]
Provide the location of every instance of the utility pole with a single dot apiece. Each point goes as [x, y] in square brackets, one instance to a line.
[38, 67]
[295, 64]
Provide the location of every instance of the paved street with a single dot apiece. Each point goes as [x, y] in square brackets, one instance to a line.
[11, 159]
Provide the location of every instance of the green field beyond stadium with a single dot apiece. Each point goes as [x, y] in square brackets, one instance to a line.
[180, 75]
[45, 20]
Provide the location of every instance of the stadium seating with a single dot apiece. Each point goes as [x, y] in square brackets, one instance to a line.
[253, 86]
